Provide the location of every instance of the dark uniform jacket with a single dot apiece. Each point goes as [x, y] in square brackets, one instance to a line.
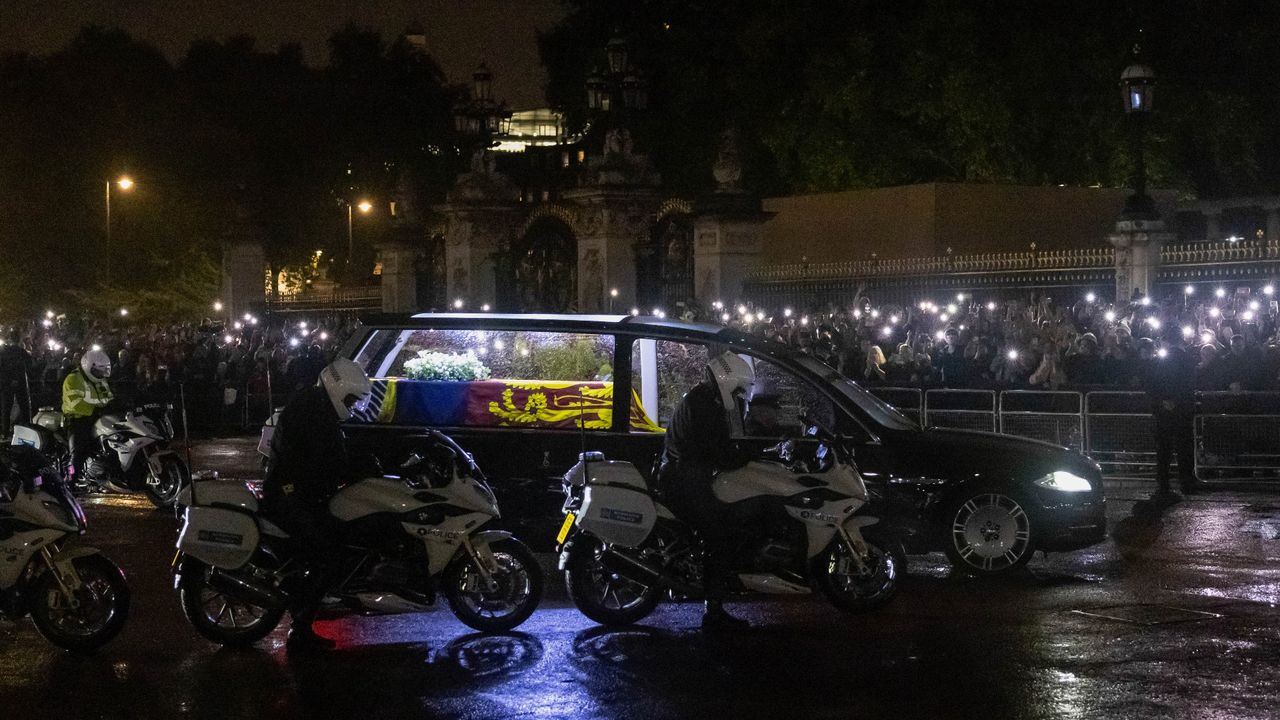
[698, 442]
[310, 463]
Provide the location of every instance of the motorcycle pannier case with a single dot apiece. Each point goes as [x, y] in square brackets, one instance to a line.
[32, 436]
[616, 505]
[220, 537]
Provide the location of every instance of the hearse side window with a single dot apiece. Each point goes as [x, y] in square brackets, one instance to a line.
[495, 378]
[662, 371]
[794, 397]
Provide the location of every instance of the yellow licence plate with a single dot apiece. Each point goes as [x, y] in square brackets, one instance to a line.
[564, 529]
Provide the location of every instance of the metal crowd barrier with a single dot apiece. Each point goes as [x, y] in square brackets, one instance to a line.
[908, 401]
[964, 409]
[1051, 416]
[1235, 433]
[1120, 432]
[1238, 432]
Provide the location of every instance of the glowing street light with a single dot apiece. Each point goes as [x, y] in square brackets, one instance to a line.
[125, 183]
[457, 304]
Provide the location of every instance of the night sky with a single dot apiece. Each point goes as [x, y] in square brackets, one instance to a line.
[460, 33]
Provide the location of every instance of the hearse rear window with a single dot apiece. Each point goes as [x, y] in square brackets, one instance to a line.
[495, 378]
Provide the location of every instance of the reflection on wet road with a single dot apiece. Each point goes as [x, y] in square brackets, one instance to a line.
[1176, 616]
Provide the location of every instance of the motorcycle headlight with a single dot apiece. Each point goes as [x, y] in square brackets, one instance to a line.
[1064, 481]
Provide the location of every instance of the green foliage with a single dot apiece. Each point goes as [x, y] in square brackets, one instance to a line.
[579, 359]
[838, 95]
[231, 142]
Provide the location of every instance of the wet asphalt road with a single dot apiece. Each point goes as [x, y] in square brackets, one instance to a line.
[1173, 617]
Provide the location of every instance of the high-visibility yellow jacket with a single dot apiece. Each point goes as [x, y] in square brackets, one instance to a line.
[83, 395]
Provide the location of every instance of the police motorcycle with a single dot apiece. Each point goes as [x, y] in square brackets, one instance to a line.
[131, 451]
[621, 549]
[77, 598]
[405, 538]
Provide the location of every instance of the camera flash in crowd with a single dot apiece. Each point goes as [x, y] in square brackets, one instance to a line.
[294, 342]
[786, 312]
[742, 309]
[1162, 353]
[1247, 316]
[124, 312]
[1188, 332]
[893, 319]
[886, 331]
[951, 309]
[484, 307]
[959, 297]
[226, 339]
[47, 323]
[1090, 297]
[1206, 338]
[1109, 315]
[940, 335]
[944, 317]
[857, 314]
[1214, 312]
[991, 306]
[1145, 301]
[1154, 323]
[1219, 293]
[1269, 290]
[48, 314]
[96, 348]
[724, 317]
[248, 317]
[457, 304]
[1189, 290]
[875, 314]
[804, 320]
[1013, 354]
[1254, 306]
[635, 311]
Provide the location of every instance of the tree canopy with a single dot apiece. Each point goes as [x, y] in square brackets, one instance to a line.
[839, 94]
[230, 137]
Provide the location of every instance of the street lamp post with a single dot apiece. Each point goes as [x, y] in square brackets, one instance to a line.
[364, 206]
[1137, 89]
[480, 117]
[125, 183]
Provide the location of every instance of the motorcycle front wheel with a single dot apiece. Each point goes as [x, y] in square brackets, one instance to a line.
[219, 617]
[93, 615]
[853, 588]
[515, 594]
[603, 595]
[162, 489]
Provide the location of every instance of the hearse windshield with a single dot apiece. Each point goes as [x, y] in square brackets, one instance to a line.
[880, 411]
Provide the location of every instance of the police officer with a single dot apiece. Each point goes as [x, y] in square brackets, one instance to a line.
[699, 444]
[85, 394]
[1171, 388]
[309, 465]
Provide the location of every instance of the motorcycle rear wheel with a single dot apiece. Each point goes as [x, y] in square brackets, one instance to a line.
[163, 490]
[591, 586]
[221, 618]
[103, 605]
[854, 590]
[518, 591]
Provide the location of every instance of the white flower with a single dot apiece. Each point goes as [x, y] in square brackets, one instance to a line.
[445, 366]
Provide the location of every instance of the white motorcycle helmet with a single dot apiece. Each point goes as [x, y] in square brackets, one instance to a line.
[734, 378]
[96, 364]
[348, 386]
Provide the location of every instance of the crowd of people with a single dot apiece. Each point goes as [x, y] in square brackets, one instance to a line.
[967, 342]
[210, 358]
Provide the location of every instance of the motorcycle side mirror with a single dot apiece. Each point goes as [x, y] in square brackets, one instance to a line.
[414, 459]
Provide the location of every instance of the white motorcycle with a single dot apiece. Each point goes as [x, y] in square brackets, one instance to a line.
[621, 549]
[130, 451]
[78, 599]
[403, 539]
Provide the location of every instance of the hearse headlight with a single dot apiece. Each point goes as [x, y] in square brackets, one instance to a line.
[1064, 481]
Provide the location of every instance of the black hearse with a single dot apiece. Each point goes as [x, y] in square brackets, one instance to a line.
[526, 393]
